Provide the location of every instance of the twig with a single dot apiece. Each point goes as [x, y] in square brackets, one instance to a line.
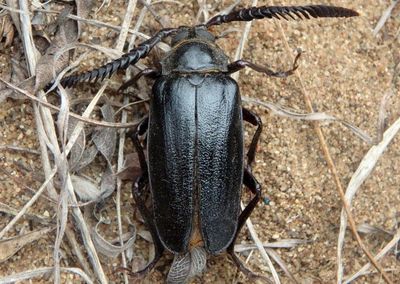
[19, 149]
[4, 208]
[46, 129]
[125, 24]
[81, 118]
[137, 26]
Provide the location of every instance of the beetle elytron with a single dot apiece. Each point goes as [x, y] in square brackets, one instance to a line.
[195, 167]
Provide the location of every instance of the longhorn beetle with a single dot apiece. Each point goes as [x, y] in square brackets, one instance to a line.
[195, 167]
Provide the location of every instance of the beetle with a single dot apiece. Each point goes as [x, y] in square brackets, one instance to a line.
[196, 168]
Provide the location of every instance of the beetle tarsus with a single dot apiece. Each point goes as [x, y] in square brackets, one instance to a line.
[247, 272]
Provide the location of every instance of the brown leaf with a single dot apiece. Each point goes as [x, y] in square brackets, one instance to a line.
[7, 30]
[131, 169]
[14, 15]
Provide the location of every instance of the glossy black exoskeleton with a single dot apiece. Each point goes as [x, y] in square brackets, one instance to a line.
[195, 167]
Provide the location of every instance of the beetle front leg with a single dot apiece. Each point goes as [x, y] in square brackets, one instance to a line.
[255, 120]
[251, 183]
[148, 72]
[240, 64]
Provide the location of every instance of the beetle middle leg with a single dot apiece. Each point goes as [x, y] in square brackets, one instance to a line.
[240, 64]
[137, 191]
[255, 120]
[251, 183]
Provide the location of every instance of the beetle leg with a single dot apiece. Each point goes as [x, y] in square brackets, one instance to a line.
[255, 120]
[137, 190]
[250, 182]
[148, 72]
[240, 64]
[255, 187]
[140, 130]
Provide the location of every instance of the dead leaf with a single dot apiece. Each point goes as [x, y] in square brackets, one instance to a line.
[9, 247]
[48, 65]
[109, 249]
[108, 183]
[85, 189]
[87, 157]
[105, 137]
[78, 148]
[145, 235]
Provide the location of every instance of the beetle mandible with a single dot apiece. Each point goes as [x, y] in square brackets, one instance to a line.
[195, 168]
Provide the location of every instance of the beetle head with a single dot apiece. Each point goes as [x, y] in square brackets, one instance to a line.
[186, 33]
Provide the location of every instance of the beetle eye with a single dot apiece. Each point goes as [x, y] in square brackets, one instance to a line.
[201, 32]
[181, 35]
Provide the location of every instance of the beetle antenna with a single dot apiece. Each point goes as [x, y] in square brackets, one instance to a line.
[282, 12]
[130, 58]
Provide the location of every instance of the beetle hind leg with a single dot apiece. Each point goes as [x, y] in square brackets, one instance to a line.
[138, 188]
[250, 182]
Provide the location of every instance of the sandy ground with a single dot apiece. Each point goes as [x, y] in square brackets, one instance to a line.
[344, 69]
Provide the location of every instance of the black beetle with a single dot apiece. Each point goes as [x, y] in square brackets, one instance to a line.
[195, 165]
